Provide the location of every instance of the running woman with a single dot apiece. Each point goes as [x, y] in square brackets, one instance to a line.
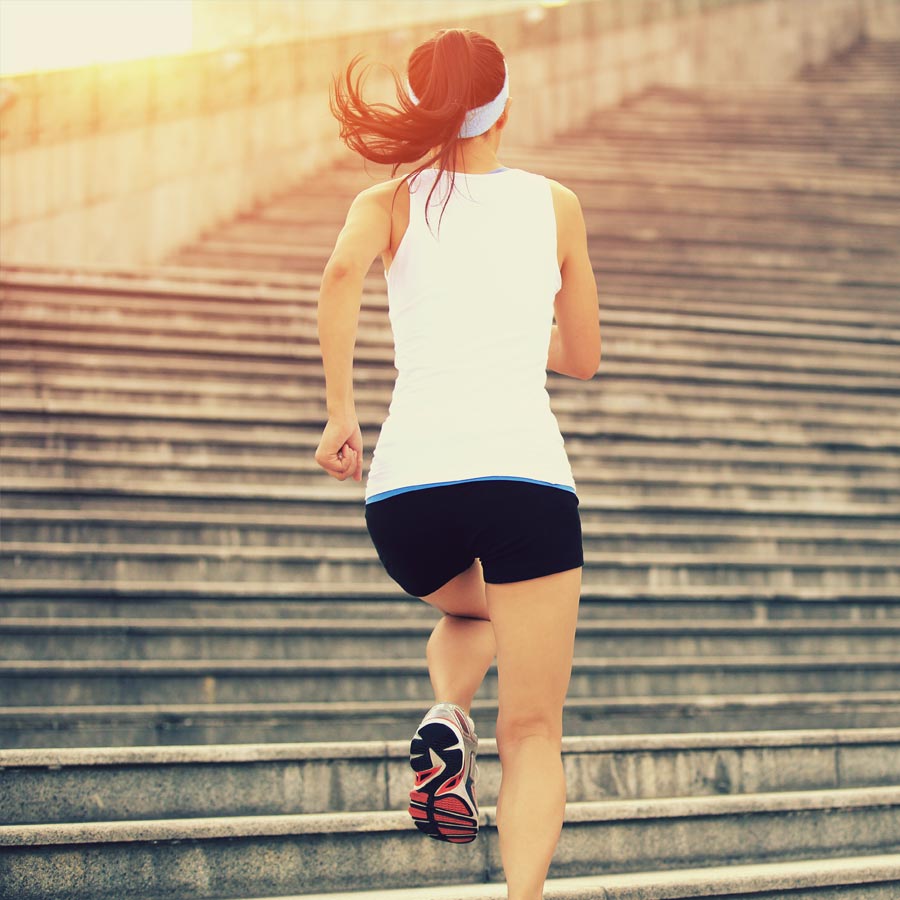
[470, 500]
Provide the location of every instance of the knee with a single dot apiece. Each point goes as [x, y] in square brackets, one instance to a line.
[516, 728]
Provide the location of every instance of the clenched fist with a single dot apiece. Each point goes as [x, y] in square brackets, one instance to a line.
[340, 451]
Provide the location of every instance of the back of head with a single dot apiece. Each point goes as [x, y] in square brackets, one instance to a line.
[454, 72]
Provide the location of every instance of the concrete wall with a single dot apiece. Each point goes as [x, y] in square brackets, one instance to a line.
[225, 23]
[123, 163]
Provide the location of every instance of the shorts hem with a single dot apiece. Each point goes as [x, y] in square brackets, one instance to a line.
[554, 569]
[444, 582]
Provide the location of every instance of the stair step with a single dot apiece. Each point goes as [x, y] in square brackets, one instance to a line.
[105, 784]
[632, 477]
[174, 282]
[123, 563]
[227, 291]
[299, 439]
[349, 496]
[241, 723]
[852, 363]
[234, 855]
[104, 682]
[98, 638]
[849, 346]
[53, 352]
[741, 428]
[591, 466]
[613, 532]
[623, 385]
[842, 878]
[639, 401]
[229, 313]
[59, 597]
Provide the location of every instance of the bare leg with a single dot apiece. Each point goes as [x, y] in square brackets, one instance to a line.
[532, 628]
[461, 647]
[534, 623]
[460, 651]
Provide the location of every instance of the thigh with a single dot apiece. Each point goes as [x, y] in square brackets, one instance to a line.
[462, 595]
[534, 626]
[417, 538]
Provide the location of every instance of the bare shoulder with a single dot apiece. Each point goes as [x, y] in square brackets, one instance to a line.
[381, 193]
[565, 200]
[570, 227]
[561, 189]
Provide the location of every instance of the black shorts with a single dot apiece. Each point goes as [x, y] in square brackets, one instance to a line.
[518, 529]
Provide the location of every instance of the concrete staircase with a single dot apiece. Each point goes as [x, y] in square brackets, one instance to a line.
[208, 683]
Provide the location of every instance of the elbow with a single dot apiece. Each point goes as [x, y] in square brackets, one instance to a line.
[335, 271]
[586, 373]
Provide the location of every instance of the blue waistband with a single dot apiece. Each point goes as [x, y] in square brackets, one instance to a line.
[417, 487]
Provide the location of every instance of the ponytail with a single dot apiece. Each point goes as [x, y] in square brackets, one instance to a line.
[452, 72]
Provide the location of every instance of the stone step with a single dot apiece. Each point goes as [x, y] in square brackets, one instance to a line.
[673, 336]
[859, 183]
[331, 497]
[692, 258]
[780, 268]
[229, 283]
[880, 490]
[743, 426]
[233, 856]
[89, 314]
[841, 878]
[606, 476]
[825, 301]
[342, 638]
[686, 130]
[118, 564]
[637, 396]
[832, 359]
[678, 379]
[682, 148]
[76, 682]
[108, 784]
[623, 307]
[308, 380]
[218, 723]
[211, 441]
[775, 280]
[647, 531]
[374, 344]
[574, 163]
[202, 599]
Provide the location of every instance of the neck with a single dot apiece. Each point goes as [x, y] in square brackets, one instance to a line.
[474, 159]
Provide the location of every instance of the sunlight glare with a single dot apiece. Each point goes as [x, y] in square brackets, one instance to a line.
[59, 34]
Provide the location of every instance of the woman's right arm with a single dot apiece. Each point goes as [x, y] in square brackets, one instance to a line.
[575, 338]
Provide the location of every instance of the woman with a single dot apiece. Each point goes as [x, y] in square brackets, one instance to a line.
[470, 499]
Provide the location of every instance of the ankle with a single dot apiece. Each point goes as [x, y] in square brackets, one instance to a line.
[460, 703]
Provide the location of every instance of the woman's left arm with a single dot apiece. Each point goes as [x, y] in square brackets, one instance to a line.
[366, 233]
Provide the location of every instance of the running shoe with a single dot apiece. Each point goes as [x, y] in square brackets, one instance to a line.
[442, 755]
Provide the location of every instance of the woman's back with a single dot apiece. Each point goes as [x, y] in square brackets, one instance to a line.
[471, 298]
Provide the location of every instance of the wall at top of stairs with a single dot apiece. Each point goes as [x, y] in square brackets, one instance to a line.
[124, 163]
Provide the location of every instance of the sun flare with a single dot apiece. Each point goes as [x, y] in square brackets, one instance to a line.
[59, 34]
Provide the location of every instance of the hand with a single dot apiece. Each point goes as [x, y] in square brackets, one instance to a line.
[340, 451]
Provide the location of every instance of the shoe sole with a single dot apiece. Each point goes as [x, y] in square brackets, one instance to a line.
[440, 804]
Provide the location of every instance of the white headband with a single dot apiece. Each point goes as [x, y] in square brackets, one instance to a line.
[481, 118]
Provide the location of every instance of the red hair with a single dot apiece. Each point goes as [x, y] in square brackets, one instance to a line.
[455, 70]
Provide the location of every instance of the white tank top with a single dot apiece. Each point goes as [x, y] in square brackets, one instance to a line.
[471, 309]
